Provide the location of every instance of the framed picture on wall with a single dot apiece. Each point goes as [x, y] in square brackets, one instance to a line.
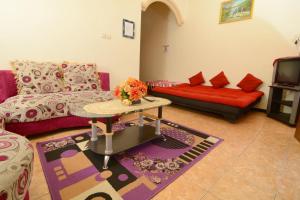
[236, 10]
[128, 29]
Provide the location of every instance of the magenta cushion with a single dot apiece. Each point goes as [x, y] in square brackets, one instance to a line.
[104, 81]
[8, 86]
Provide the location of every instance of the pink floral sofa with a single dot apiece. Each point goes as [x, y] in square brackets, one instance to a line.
[16, 165]
[38, 113]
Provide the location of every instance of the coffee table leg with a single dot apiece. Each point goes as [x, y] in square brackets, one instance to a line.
[157, 126]
[94, 130]
[108, 142]
[106, 159]
[141, 119]
[157, 130]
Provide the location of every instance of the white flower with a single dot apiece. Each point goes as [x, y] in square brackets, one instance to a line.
[160, 166]
[171, 165]
[61, 143]
[146, 163]
[126, 102]
[155, 179]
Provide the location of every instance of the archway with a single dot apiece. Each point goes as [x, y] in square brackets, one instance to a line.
[157, 18]
[172, 6]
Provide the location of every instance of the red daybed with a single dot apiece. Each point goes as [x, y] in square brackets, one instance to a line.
[230, 103]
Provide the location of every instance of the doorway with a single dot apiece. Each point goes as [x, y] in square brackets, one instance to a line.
[155, 22]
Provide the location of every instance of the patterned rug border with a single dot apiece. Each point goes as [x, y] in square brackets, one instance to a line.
[171, 180]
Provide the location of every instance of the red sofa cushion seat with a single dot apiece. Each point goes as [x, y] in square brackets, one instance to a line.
[226, 96]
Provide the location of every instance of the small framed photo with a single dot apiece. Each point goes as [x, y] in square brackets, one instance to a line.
[128, 29]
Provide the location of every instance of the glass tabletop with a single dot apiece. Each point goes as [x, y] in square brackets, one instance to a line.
[115, 107]
[76, 109]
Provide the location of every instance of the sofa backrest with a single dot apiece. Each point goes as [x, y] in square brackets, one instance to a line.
[8, 85]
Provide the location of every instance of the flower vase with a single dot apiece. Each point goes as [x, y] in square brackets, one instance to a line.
[127, 102]
[136, 102]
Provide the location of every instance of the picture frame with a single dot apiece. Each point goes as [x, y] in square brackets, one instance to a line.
[128, 29]
[236, 10]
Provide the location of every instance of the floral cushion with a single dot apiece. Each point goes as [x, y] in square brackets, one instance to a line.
[37, 107]
[16, 164]
[37, 78]
[80, 77]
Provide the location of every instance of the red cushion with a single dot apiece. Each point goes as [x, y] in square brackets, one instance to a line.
[196, 79]
[249, 83]
[226, 96]
[219, 80]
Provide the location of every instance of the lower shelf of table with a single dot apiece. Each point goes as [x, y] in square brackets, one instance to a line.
[125, 139]
[283, 117]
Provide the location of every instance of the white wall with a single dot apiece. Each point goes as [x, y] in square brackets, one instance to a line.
[71, 30]
[55, 30]
[202, 44]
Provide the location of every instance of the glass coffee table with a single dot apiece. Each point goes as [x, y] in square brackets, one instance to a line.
[109, 143]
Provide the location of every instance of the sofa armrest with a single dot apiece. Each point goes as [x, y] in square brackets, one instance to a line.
[104, 81]
[8, 86]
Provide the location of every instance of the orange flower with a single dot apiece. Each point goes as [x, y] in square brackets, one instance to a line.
[117, 91]
[127, 88]
[134, 95]
[133, 89]
[143, 88]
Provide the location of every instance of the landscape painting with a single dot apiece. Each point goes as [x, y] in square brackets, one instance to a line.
[236, 10]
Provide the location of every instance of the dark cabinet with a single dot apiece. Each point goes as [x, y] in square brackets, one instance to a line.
[277, 101]
[297, 134]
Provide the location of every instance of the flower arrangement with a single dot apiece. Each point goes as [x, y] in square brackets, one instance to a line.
[131, 91]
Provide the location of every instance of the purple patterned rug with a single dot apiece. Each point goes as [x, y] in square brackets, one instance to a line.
[72, 171]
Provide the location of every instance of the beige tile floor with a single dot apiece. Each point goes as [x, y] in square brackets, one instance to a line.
[259, 160]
